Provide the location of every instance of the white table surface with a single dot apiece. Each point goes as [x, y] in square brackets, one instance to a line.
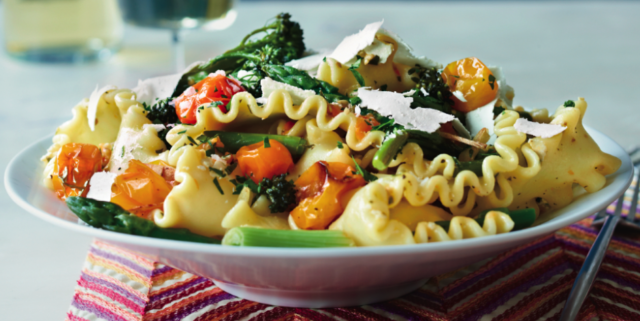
[550, 52]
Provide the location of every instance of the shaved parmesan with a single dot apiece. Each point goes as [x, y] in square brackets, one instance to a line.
[297, 95]
[262, 100]
[381, 49]
[308, 63]
[424, 92]
[460, 129]
[481, 118]
[537, 129]
[351, 45]
[397, 106]
[218, 72]
[123, 148]
[152, 89]
[94, 99]
[409, 93]
[100, 186]
[404, 53]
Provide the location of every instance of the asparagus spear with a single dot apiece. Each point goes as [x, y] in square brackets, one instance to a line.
[234, 141]
[389, 149]
[254, 236]
[112, 217]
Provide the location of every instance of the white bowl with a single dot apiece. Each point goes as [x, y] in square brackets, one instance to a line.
[311, 278]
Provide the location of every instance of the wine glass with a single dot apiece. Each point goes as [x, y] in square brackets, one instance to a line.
[179, 15]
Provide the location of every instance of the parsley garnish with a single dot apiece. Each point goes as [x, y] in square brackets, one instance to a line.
[122, 156]
[215, 181]
[355, 73]
[215, 89]
[224, 96]
[383, 87]
[365, 174]
[266, 142]
[340, 144]
[182, 132]
[231, 168]
[569, 103]
[242, 182]
[215, 104]
[492, 81]
[203, 138]
[191, 140]
[217, 171]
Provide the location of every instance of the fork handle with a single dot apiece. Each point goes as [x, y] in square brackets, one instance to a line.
[589, 270]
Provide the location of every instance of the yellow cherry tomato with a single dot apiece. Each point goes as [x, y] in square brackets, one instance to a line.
[473, 79]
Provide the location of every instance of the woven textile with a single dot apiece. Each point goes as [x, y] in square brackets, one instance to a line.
[531, 282]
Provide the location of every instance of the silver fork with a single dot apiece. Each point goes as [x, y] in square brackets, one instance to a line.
[592, 262]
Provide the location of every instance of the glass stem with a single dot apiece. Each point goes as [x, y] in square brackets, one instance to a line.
[178, 50]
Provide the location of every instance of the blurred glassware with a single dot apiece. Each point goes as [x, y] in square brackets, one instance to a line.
[178, 15]
[62, 30]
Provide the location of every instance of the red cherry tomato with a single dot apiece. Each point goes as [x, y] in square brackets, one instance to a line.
[216, 88]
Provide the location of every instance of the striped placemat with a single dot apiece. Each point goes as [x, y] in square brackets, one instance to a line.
[530, 282]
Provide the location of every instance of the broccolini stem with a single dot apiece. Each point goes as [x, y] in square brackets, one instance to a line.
[234, 141]
[112, 217]
[389, 149]
[254, 236]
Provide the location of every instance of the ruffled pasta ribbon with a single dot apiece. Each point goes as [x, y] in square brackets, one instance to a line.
[464, 228]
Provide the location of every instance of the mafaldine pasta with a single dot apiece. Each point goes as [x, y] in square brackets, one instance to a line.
[272, 144]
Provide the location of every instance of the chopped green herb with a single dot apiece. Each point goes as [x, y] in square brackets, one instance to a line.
[365, 174]
[192, 140]
[340, 144]
[355, 73]
[201, 108]
[215, 181]
[122, 156]
[569, 103]
[203, 139]
[492, 81]
[215, 104]
[231, 168]
[324, 59]
[266, 142]
[217, 171]
[182, 132]
[224, 96]
[383, 87]
[215, 89]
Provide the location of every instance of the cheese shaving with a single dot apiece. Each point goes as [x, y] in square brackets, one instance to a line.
[424, 92]
[397, 106]
[100, 186]
[123, 148]
[459, 95]
[218, 72]
[404, 54]
[537, 129]
[297, 95]
[309, 62]
[152, 89]
[351, 45]
[157, 127]
[94, 99]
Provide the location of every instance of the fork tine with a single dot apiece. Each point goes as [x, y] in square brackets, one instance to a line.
[633, 207]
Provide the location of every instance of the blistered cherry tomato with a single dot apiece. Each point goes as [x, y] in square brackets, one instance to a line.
[258, 161]
[140, 189]
[364, 124]
[73, 168]
[320, 192]
[217, 88]
[473, 80]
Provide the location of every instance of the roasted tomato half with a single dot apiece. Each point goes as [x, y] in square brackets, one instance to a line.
[320, 192]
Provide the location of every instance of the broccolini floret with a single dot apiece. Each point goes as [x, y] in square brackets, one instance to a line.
[280, 191]
[162, 112]
[282, 43]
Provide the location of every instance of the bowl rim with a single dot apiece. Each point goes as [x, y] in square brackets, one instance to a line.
[621, 180]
